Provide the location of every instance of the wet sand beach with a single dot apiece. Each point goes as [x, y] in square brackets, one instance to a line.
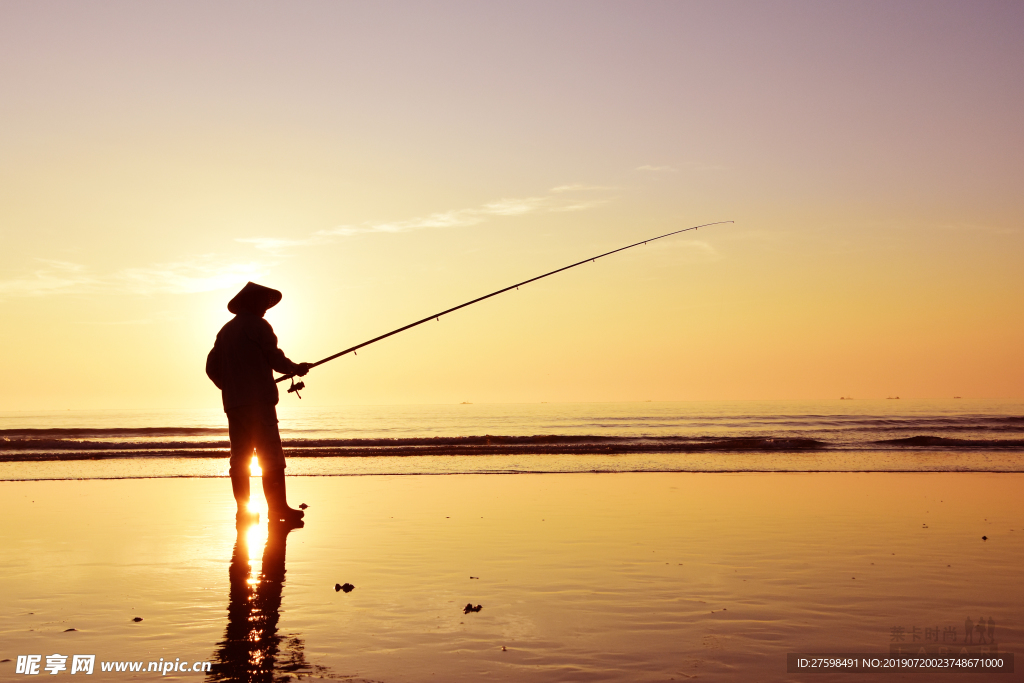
[581, 577]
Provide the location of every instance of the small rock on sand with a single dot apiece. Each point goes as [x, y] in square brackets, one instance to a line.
[984, 538]
[303, 506]
[348, 587]
[470, 608]
[68, 630]
[137, 619]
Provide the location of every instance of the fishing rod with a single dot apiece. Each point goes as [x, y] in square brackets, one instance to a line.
[437, 316]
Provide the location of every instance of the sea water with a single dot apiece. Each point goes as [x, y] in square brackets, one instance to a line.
[833, 435]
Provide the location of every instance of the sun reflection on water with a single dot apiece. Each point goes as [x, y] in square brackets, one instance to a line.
[255, 540]
[257, 502]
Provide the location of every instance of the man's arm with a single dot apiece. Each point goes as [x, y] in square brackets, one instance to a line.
[213, 368]
[267, 342]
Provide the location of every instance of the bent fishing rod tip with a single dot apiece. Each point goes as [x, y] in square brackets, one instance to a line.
[437, 316]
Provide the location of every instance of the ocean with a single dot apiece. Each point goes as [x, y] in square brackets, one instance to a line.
[947, 435]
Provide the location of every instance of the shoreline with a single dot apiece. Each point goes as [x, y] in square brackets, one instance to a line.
[173, 467]
[523, 472]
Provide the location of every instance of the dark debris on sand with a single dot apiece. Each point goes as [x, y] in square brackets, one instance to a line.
[470, 608]
[348, 587]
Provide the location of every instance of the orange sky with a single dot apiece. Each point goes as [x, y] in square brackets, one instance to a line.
[378, 162]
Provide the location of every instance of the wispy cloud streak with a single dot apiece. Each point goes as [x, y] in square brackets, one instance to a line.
[275, 244]
[684, 250]
[201, 274]
[581, 206]
[579, 187]
[689, 165]
[455, 218]
[209, 273]
[53, 277]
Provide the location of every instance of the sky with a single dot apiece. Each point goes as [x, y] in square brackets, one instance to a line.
[378, 162]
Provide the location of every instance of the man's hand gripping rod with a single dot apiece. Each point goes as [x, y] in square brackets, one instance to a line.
[437, 316]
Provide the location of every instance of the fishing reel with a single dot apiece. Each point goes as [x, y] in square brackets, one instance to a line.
[296, 387]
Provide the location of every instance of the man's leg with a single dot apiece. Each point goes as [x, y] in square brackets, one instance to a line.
[240, 433]
[240, 486]
[271, 457]
[277, 497]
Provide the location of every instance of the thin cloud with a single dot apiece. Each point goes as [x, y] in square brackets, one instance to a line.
[61, 266]
[270, 244]
[446, 219]
[578, 187]
[455, 218]
[154, 318]
[514, 207]
[201, 274]
[698, 247]
[55, 277]
[276, 245]
[657, 169]
[581, 206]
[687, 250]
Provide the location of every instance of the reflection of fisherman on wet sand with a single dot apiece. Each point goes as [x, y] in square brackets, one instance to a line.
[241, 364]
[251, 649]
[980, 628]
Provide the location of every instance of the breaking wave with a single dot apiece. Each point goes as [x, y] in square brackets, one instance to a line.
[51, 447]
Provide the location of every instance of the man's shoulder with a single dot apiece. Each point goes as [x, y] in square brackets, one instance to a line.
[256, 328]
[245, 326]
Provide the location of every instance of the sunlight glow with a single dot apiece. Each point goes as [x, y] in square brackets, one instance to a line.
[255, 539]
[257, 502]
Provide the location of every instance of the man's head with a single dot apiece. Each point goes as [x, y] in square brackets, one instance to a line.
[254, 299]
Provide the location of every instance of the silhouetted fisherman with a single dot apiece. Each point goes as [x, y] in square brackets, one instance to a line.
[241, 364]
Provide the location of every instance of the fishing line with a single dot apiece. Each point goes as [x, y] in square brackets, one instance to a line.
[437, 316]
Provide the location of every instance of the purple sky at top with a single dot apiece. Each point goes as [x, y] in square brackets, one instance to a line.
[838, 98]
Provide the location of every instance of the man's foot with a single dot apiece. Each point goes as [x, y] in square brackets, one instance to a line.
[285, 525]
[287, 514]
